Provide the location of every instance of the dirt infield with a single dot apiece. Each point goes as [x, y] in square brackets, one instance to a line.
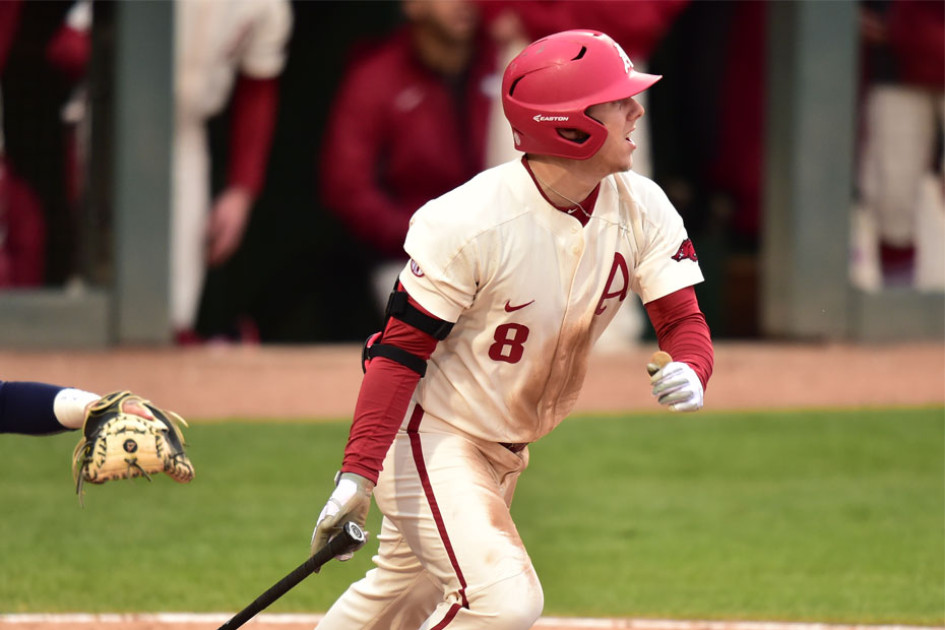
[219, 382]
[302, 382]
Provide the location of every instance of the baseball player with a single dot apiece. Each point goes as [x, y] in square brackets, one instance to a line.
[224, 47]
[512, 277]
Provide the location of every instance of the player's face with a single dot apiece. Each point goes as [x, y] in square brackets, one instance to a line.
[620, 118]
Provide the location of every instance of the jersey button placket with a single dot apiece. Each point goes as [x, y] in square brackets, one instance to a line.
[577, 240]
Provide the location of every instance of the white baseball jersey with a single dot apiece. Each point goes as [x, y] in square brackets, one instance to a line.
[530, 290]
[215, 39]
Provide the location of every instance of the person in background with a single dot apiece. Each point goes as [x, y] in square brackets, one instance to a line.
[406, 125]
[22, 231]
[903, 110]
[44, 52]
[224, 50]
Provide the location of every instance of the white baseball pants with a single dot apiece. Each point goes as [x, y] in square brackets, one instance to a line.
[449, 555]
[897, 155]
[190, 210]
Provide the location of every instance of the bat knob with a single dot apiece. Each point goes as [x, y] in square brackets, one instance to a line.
[658, 361]
[355, 533]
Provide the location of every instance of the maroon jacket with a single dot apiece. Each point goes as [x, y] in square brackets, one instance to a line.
[399, 135]
[638, 26]
[22, 232]
[917, 40]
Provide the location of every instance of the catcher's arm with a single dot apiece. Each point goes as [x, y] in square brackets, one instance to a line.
[125, 436]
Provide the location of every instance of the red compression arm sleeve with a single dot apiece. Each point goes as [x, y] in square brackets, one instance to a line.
[254, 120]
[383, 399]
[681, 330]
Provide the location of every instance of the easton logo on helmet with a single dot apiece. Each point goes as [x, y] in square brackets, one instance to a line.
[543, 118]
[686, 250]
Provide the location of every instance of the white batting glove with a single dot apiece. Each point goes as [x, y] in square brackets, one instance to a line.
[677, 386]
[350, 501]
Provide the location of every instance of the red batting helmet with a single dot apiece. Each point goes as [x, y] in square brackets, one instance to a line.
[550, 84]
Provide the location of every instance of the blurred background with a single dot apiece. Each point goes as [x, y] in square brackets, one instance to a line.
[241, 171]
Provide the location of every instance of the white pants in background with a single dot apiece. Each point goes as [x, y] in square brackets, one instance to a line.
[190, 209]
[900, 197]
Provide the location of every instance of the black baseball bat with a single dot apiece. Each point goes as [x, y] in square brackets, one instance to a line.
[350, 539]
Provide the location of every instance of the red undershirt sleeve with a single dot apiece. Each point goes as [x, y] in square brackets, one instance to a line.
[383, 399]
[681, 330]
[253, 122]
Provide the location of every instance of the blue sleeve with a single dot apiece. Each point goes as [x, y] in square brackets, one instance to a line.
[27, 408]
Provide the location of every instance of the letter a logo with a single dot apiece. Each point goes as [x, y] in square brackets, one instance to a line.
[609, 292]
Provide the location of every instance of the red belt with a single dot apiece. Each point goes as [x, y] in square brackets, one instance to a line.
[515, 448]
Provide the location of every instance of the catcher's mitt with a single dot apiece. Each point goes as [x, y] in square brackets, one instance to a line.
[119, 443]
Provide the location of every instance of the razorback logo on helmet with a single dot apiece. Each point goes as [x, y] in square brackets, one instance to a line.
[627, 64]
[686, 250]
[415, 268]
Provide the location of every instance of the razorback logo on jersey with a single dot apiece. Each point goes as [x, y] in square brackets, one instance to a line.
[415, 268]
[686, 250]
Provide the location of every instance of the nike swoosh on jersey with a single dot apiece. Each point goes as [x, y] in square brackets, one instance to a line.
[509, 308]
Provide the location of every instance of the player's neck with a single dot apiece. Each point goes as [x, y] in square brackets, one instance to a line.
[562, 183]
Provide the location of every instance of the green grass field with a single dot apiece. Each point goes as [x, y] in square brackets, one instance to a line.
[814, 516]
